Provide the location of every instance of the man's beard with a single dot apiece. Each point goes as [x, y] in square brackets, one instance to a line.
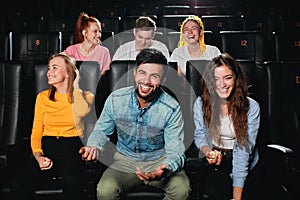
[155, 93]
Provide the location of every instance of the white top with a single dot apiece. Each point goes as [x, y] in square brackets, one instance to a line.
[181, 56]
[227, 133]
[127, 51]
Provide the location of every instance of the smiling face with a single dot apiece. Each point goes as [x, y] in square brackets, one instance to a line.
[57, 73]
[93, 33]
[224, 80]
[148, 78]
[143, 38]
[191, 32]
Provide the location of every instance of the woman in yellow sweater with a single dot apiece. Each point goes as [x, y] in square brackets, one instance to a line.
[57, 131]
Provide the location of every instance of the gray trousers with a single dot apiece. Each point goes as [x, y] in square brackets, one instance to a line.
[120, 178]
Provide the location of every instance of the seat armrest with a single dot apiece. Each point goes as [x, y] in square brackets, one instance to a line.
[12, 154]
[281, 159]
[281, 148]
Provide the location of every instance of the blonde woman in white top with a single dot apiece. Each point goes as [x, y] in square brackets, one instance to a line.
[191, 45]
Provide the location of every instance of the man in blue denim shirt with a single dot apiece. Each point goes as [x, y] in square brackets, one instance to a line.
[149, 124]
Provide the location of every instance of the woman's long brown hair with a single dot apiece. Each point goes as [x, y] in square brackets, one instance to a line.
[238, 104]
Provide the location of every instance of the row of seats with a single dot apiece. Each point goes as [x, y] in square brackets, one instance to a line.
[117, 24]
[249, 45]
[207, 7]
[145, 7]
[211, 22]
[253, 45]
[23, 46]
[118, 15]
[172, 7]
[31, 48]
[275, 85]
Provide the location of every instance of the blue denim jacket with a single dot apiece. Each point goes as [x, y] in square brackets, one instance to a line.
[243, 159]
[143, 134]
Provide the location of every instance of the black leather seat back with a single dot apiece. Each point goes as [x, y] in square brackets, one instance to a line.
[119, 76]
[4, 45]
[35, 46]
[171, 22]
[115, 78]
[250, 70]
[194, 71]
[293, 106]
[172, 39]
[275, 104]
[40, 77]
[89, 78]
[283, 85]
[10, 103]
[247, 45]
[282, 159]
[287, 46]
[89, 75]
[65, 25]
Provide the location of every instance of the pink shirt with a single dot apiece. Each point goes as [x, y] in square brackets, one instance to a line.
[100, 54]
